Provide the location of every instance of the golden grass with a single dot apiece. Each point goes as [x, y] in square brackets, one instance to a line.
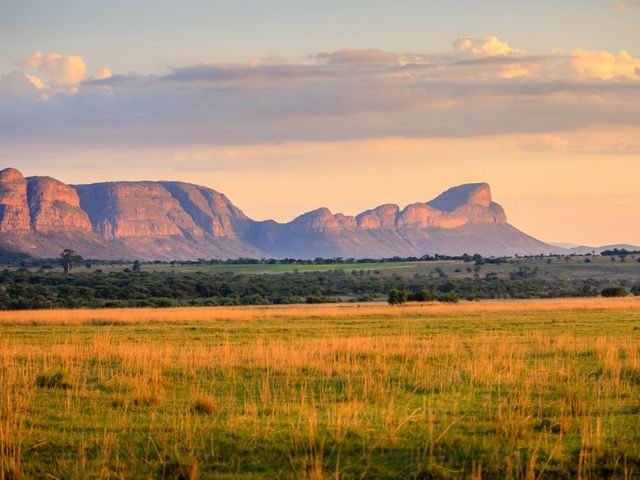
[448, 398]
[197, 314]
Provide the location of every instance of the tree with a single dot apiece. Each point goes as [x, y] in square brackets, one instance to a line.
[614, 291]
[136, 266]
[69, 259]
[397, 297]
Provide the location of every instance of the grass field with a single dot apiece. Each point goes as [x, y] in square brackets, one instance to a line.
[512, 389]
[553, 267]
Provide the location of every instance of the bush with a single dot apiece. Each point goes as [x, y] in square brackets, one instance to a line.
[422, 296]
[614, 292]
[397, 297]
[450, 297]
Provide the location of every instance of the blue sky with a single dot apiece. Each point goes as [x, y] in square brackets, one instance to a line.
[286, 105]
[147, 36]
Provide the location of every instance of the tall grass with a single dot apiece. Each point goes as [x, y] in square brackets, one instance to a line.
[118, 316]
[497, 390]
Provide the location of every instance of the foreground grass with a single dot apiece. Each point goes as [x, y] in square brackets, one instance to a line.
[496, 389]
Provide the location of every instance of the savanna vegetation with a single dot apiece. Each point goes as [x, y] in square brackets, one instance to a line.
[38, 290]
[493, 389]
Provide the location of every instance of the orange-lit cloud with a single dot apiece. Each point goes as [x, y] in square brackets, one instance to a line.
[65, 71]
[483, 47]
[102, 74]
[605, 65]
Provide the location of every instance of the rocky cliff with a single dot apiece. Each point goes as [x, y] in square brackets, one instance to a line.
[174, 220]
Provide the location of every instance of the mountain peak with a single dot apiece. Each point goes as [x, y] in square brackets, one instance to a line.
[10, 175]
[456, 197]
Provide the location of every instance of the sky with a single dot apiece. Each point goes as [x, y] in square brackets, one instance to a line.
[286, 106]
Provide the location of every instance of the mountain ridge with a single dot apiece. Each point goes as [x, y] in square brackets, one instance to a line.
[171, 220]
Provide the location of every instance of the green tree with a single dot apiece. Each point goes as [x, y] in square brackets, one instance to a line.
[614, 292]
[397, 297]
[69, 259]
[136, 266]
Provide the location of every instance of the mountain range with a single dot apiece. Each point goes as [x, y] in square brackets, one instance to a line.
[181, 221]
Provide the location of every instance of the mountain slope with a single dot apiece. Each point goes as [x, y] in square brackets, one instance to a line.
[176, 220]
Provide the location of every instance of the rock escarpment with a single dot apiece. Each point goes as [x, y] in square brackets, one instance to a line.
[175, 220]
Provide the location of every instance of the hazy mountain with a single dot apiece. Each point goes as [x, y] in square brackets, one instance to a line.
[583, 250]
[175, 220]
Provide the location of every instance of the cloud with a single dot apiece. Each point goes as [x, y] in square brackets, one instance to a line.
[35, 81]
[18, 84]
[482, 87]
[483, 47]
[62, 71]
[359, 56]
[102, 74]
[604, 65]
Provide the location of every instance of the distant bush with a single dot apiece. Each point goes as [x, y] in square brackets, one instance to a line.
[614, 292]
[450, 297]
[397, 297]
[422, 296]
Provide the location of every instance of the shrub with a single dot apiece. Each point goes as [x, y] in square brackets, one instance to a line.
[397, 297]
[54, 379]
[422, 296]
[614, 292]
[450, 297]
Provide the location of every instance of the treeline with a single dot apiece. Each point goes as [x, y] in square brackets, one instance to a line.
[28, 290]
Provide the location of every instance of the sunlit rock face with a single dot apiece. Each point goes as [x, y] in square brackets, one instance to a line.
[176, 220]
[14, 209]
[55, 206]
[135, 210]
[384, 216]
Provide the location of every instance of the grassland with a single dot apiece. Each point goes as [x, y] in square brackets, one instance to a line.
[515, 389]
[579, 267]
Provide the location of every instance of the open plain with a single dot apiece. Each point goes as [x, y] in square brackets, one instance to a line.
[495, 389]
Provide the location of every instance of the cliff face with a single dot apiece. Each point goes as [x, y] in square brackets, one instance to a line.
[14, 209]
[55, 206]
[175, 220]
[135, 210]
[464, 205]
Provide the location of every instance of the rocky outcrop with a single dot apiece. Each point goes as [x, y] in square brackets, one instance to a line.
[14, 209]
[135, 210]
[55, 206]
[211, 210]
[175, 220]
[458, 206]
[384, 216]
[321, 220]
